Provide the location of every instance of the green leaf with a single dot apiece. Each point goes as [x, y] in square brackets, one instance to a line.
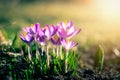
[26, 74]
[14, 39]
[99, 58]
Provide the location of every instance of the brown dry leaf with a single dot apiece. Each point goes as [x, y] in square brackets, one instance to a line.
[3, 41]
[14, 54]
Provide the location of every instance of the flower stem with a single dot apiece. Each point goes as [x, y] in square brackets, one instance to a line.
[61, 52]
[66, 61]
[47, 56]
[42, 50]
[37, 52]
[57, 51]
[29, 54]
[53, 51]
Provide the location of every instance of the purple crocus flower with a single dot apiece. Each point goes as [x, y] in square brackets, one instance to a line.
[67, 31]
[72, 32]
[40, 37]
[56, 40]
[68, 44]
[62, 33]
[50, 31]
[66, 26]
[34, 29]
[26, 37]
[26, 30]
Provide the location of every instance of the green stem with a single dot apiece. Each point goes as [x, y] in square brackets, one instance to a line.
[41, 59]
[26, 74]
[37, 52]
[61, 52]
[47, 56]
[10, 73]
[29, 54]
[14, 77]
[66, 61]
[57, 51]
[53, 51]
[42, 50]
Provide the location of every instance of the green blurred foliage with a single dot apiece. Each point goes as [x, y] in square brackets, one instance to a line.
[30, 1]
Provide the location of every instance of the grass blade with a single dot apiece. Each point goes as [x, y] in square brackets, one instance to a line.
[99, 58]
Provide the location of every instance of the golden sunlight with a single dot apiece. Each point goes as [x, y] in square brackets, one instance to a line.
[110, 9]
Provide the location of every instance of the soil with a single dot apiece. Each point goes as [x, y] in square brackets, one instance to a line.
[88, 74]
[110, 71]
[81, 74]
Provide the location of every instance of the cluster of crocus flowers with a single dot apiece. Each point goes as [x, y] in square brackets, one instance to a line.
[59, 35]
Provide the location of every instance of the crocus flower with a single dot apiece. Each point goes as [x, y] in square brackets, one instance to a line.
[67, 31]
[34, 28]
[26, 30]
[40, 37]
[72, 32]
[26, 37]
[66, 26]
[50, 31]
[68, 44]
[56, 40]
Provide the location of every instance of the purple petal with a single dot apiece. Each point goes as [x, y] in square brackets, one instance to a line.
[41, 40]
[64, 43]
[53, 30]
[22, 37]
[73, 33]
[56, 42]
[40, 37]
[27, 38]
[47, 32]
[36, 27]
[40, 32]
[71, 30]
[62, 33]
[50, 31]
[73, 44]
[70, 24]
[68, 45]
[33, 29]
[26, 30]
[63, 25]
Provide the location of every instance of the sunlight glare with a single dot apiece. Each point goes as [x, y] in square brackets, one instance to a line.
[110, 9]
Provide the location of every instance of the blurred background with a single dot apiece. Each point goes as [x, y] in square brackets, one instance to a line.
[98, 19]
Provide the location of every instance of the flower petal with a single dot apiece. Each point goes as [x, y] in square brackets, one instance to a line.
[27, 38]
[68, 44]
[47, 32]
[36, 27]
[70, 24]
[70, 35]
